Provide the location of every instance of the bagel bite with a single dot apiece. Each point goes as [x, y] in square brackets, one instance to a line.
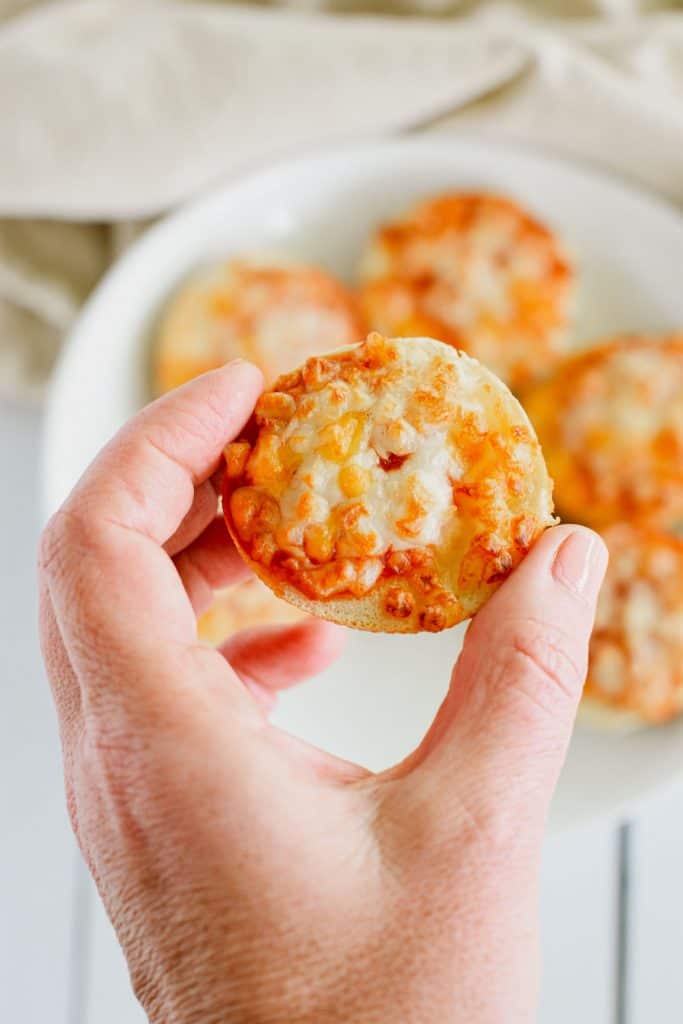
[478, 272]
[635, 668]
[243, 606]
[389, 486]
[273, 315]
[610, 421]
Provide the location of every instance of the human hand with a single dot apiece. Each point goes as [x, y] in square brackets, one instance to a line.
[249, 876]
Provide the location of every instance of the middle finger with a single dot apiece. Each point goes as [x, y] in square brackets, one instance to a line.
[209, 563]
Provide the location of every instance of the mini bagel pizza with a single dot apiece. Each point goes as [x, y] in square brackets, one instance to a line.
[243, 606]
[478, 272]
[273, 315]
[389, 486]
[610, 421]
[635, 670]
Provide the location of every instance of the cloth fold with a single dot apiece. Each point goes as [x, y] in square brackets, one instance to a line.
[114, 111]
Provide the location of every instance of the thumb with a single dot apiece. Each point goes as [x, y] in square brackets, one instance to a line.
[504, 727]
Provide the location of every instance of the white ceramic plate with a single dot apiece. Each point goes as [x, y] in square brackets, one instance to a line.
[375, 704]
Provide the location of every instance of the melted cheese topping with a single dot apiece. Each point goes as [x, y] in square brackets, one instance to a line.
[275, 316]
[411, 503]
[478, 272]
[399, 458]
[611, 425]
[636, 652]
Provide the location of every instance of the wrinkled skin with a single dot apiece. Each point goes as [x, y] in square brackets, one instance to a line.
[249, 876]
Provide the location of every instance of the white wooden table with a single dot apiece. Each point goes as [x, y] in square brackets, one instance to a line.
[611, 900]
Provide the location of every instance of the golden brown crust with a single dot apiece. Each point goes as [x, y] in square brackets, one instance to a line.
[610, 421]
[636, 654]
[389, 486]
[272, 315]
[478, 272]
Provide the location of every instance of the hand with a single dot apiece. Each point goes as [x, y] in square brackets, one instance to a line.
[249, 876]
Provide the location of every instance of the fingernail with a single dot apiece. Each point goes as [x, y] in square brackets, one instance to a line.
[580, 563]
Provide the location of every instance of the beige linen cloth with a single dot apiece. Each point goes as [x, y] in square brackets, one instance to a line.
[113, 112]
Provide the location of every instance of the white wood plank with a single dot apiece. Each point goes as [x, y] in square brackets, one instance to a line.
[578, 917]
[36, 847]
[656, 926]
[578, 890]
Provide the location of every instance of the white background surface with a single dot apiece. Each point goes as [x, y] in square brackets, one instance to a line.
[61, 966]
[36, 852]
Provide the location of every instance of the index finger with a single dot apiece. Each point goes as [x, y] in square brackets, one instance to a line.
[116, 593]
[171, 447]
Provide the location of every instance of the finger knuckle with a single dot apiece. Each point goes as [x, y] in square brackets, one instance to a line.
[543, 664]
[189, 423]
[62, 531]
[111, 760]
